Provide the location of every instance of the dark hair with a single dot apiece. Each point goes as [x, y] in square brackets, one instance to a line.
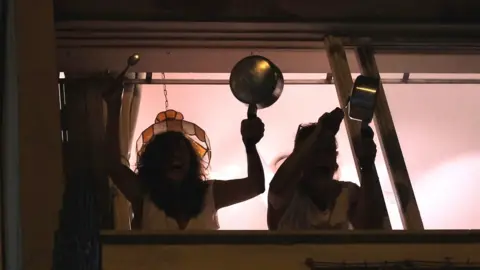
[304, 130]
[154, 183]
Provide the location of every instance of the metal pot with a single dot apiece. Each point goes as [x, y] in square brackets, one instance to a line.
[257, 82]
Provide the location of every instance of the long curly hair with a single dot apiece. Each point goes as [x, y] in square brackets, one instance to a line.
[189, 196]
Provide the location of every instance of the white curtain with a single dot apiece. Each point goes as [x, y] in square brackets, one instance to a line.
[128, 119]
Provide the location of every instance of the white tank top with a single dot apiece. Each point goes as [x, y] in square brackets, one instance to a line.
[303, 214]
[155, 219]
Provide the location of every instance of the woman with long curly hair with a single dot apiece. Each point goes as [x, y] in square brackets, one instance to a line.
[170, 190]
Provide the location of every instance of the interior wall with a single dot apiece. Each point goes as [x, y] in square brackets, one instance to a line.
[439, 130]
[438, 139]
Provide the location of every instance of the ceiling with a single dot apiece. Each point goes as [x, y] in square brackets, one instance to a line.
[406, 11]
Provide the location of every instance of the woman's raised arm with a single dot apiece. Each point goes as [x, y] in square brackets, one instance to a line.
[122, 176]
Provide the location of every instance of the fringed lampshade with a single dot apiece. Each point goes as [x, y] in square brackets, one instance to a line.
[172, 120]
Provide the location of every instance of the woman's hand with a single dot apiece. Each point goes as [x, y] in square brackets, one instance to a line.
[327, 127]
[366, 149]
[252, 131]
[330, 122]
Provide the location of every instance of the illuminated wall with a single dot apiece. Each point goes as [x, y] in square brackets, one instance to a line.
[436, 124]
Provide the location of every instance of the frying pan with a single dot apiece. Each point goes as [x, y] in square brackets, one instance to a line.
[257, 82]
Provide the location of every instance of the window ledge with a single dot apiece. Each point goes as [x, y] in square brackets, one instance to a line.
[289, 238]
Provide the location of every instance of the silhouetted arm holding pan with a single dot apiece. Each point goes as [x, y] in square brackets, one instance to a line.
[367, 207]
[122, 176]
[230, 192]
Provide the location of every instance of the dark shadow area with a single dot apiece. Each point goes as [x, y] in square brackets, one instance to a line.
[274, 238]
[346, 11]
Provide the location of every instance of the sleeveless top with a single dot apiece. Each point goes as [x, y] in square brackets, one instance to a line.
[154, 218]
[303, 214]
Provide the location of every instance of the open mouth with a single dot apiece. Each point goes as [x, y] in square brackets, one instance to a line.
[176, 166]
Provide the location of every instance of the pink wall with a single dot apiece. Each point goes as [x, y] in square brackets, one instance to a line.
[438, 135]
